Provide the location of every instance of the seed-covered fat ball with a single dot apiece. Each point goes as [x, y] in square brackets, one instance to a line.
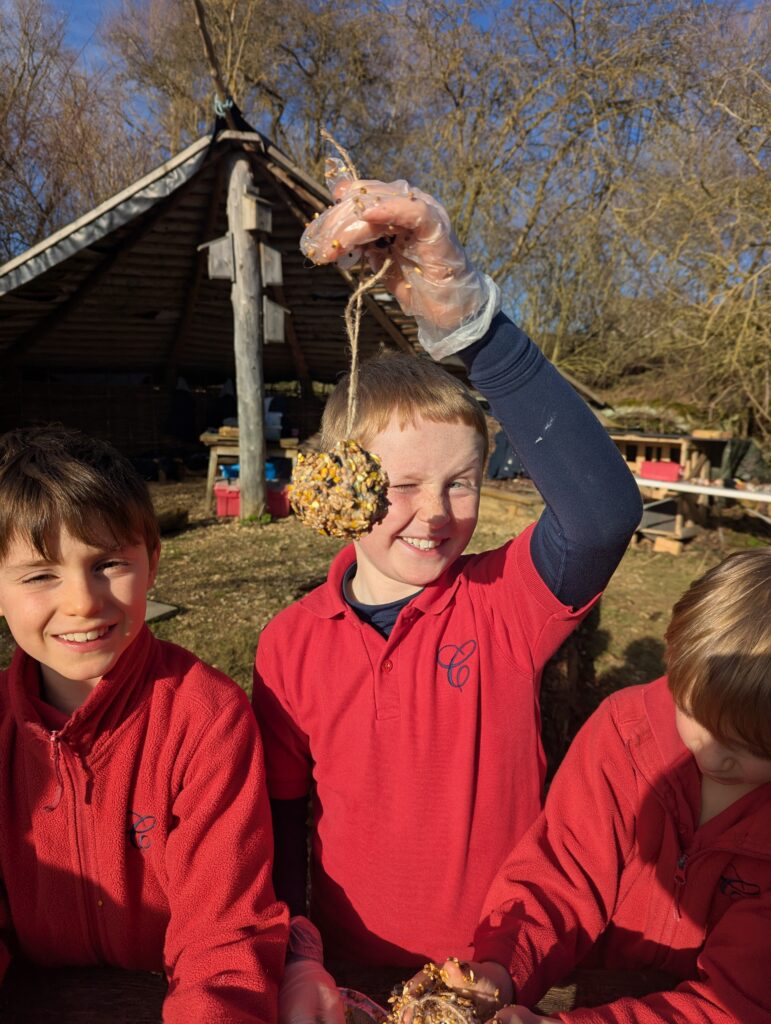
[433, 1001]
[342, 492]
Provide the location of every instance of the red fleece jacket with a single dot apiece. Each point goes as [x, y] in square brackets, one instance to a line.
[139, 834]
[617, 872]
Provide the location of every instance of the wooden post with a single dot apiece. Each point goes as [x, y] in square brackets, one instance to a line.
[247, 340]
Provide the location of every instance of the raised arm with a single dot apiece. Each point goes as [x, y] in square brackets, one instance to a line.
[593, 504]
[592, 501]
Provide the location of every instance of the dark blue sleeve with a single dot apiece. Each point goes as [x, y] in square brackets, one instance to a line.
[593, 505]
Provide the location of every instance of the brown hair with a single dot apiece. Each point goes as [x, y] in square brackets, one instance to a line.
[53, 477]
[719, 650]
[408, 387]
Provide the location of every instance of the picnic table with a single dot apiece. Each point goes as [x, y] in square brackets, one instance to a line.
[223, 448]
[108, 995]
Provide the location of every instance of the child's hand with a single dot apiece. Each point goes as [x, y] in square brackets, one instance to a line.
[308, 994]
[520, 1015]
[430, 276]
[487, 984]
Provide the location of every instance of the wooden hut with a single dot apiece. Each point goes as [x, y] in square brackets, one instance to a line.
[99, 321]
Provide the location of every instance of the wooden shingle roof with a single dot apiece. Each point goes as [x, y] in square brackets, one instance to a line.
[125, 289]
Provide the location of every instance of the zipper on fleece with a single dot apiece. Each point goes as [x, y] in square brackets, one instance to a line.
[682, 862]
[56, 756]
[685, 859]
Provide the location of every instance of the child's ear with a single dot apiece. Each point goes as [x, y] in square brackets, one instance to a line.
[154, 558]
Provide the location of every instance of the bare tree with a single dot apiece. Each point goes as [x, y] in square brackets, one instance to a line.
[606, 160]
[294, 67]
[64, 144]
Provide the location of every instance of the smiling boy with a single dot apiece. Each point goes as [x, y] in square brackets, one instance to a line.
[435, 474]
[654, 849]
[403, 692]
[79, 630]
[129, 770]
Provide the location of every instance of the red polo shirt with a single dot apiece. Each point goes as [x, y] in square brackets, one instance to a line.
[424, 747]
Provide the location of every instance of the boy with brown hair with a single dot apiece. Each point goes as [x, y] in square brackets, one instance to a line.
[403, 692]
[654, 848]
[136, 827]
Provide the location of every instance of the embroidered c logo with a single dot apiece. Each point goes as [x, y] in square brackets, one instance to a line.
[138, 829]
[454, 660]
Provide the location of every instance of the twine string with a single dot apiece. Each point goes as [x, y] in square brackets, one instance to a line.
[352, 317]
[345, 156]
[353, 309]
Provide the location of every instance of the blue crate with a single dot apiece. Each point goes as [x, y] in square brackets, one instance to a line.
[233, 471]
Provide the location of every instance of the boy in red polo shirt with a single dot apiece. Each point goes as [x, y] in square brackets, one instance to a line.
[654, 848]
[136, 826]
[403, 692]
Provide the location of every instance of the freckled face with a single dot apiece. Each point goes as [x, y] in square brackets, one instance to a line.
[435, 473]
[731, 764]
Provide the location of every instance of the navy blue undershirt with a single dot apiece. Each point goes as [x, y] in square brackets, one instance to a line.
[381, 617]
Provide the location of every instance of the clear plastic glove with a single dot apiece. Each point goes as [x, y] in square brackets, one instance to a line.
[488, 984]
[308, 994]
[430, 275]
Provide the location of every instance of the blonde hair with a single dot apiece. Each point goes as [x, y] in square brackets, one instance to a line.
[404, 386]
[719, 650]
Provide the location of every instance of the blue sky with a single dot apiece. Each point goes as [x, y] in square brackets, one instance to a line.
[83, 17]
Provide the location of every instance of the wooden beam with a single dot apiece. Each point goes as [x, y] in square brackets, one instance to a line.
[316, 204]
[374, 307]
[246, 298]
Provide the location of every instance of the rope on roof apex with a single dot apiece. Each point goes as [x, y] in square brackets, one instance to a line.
[223, 107]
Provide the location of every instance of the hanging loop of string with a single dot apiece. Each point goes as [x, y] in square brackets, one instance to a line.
[352, 315]
[352, 318]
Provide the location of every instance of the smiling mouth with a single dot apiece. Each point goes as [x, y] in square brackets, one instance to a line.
[83, 638]
[422, 544]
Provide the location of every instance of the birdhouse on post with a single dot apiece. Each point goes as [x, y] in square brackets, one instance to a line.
[272, 277]
[256, 213]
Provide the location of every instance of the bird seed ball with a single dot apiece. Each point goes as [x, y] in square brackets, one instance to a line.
[341, 493]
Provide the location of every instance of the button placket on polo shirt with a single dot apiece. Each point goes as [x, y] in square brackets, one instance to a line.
[386, 665]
